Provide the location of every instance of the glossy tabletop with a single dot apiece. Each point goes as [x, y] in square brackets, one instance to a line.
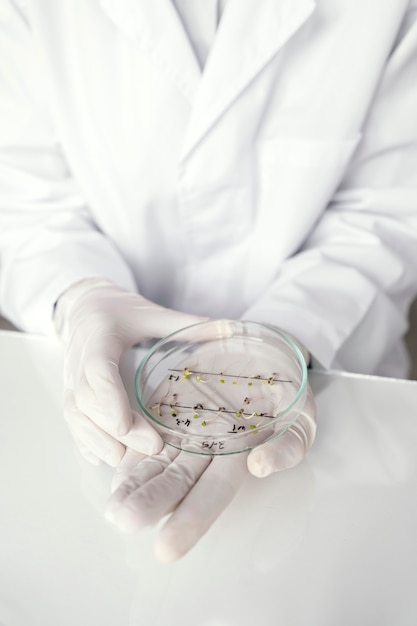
[330, 543]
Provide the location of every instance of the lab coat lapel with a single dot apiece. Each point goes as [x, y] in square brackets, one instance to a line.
[156, 26]
[249, 34]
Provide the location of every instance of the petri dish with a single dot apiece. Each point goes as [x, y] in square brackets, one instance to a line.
[222, 386]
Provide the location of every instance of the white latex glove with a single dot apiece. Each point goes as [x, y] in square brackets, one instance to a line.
[195, 489]
[99, 322]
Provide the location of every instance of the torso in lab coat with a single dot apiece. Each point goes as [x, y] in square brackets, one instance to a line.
[211, 184]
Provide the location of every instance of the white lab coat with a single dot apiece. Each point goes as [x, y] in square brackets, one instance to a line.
[279, 185]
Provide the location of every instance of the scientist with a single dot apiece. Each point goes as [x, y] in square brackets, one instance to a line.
[166, 161]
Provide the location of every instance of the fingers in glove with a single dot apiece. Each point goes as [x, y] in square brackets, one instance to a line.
[129, 461]
[142, 437]
[129, 477]
[290, 448]
[87, 454]
[160, 322]
[137, 471]
[154, 488]
[100, 393]
[210, 495]
[89, 436]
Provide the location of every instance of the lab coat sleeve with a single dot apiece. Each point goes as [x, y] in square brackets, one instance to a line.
[48, 239]
[346, 293]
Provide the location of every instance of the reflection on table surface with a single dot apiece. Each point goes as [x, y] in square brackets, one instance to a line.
[328, 543]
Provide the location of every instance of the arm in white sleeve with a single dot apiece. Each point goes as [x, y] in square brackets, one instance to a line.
[346, 294]
[48, 239]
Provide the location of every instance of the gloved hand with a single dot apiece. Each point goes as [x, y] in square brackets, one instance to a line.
[196, 489]
[98, 322]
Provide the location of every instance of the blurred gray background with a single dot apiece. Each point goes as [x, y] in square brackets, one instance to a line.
[412, 340]
[411, 337]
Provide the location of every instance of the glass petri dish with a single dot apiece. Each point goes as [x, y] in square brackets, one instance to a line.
[222, 386]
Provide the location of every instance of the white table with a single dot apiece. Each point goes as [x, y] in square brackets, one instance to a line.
[331, 543]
